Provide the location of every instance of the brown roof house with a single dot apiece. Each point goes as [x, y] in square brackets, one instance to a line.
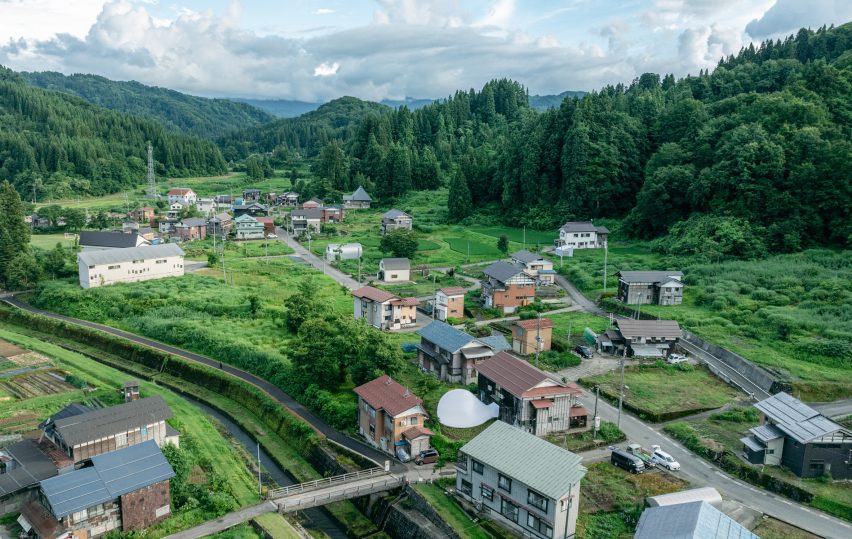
[648, 338]
[392, 418]
[383, 309]
[449, 303]
[125, 490]
[193, 228]
[507, 286]
[528, 398]
[526, 333]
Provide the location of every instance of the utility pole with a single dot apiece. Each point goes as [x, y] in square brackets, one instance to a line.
[621, 391]
[595, 415]
[224, 274]
[606, 252]
[152, 182]
[359, 269]
[537, 339]
[259, 482]
[525, 236]
[468, 250]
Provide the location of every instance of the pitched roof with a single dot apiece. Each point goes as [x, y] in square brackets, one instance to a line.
[194, 221]
[246, 218]
[384, 393]
[180, 191]
[99, 238]
[445, 335]
[453, 291]
[252, 205]
[309, 213]
[767, 432]
[497, 343]
[396, 263]
[32, 466]
[416, 432]
[394, 213]
[518, 377]
[105, 422]
[373, 294]
[264, 219]
[115, 256]
[110, 476]
[649, 276]
[526, 256]
[527, 458]
[533, 324]
[692, 520]
[795, 418]
[667, 329]
[221, 217]
[580, 226]
[502, 271]
[360, 195]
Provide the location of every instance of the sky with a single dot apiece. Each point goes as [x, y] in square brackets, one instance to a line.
[317, 50]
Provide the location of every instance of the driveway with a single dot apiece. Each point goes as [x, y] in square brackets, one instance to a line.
[598, 364]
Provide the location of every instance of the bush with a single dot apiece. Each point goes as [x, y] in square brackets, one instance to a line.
[76, 381]
[737, 415]
[610, 432]
[558, 360]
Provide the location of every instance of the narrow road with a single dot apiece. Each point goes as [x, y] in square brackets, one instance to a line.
[720, 366]
[273, 391]
[701, 473]
[578, 298]
[316, 261]
[225, 521]
[836, 409]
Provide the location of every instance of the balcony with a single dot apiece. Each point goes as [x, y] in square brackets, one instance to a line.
[461, 464]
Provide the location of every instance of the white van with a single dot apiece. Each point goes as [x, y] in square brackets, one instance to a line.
[661, 458]
[674, 359]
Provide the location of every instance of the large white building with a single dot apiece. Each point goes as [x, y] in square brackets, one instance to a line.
[582, 235]
[99, 268]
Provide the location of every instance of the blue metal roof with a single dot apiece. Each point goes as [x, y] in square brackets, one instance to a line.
[498, 343]
[694, 520]
[445, 336]
[110, 476]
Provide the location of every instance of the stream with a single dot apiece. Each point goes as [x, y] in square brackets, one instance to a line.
[313, 519]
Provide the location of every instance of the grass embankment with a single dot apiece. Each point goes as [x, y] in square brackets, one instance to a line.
[451, 513]
[788, 313]
[277, 526]
[660, 392]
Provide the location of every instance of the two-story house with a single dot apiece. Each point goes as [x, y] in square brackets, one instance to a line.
[507, 286]
[527, 484]
[124, 490]
[449, 303]
[289, 199]
[453, 355]
[220, 225]
[536, 266]
[254, 209]
[357, 200]
[794, 435]
[313, 203]
[395, 220]
[251, 195]
[144, 214]
[528, 398]
[384, 310]
[394, 270]
[247, 227]
[190, 229]
[582, 235]
[332, 214]
[392, 418]
[530, 336]
[650, 287]
[647, 338]
[182, 195]
[306, 220]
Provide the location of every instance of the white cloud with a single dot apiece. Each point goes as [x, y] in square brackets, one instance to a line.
[323, 11]
[326, 70]
[42, 19]
[787, 16]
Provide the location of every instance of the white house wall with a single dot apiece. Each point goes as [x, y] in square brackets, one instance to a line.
[131, 271]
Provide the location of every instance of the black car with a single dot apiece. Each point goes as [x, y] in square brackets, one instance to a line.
[584, 351]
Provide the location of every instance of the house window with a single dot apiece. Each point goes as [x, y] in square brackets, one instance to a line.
[487, 492]
[114, 267]
[537, 500]
[144, 431]
[466, 487]
[504, 482]
[121, 439]
[508, 510]
[539, 525]
[478, 467]
[79, 516]
[96, 510]
[817, 466]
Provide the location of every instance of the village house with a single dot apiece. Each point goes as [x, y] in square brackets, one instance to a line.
[220, 225]
[100, 268]
[690, 520]
[449, 303]
[392, 418]
[124, 490]
[98, 240]
[22, 465]
[223, 202]
[357, 200]
[794, 435]
[582, 235]
[82, 433]
[254, 209]
[650, 287]
[529, 336]
[527, 484]
[166, 226]
[144, 214]
[312, 203]
[193, 228]
[506, 287]
[148, 234]
[347, 251]
[268, 224]
[453, 355]
[645, 338]
[384, 310]
[175, 209]
[395, 220]
[206, 206]
[536, 266]
[331, 214]
[247, 227]
[251, 195]
[290, 199]
[394, 270]
[528, 398]
[184, 195]
[306, 220]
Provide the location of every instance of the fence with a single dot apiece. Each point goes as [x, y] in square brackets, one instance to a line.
[325, 482]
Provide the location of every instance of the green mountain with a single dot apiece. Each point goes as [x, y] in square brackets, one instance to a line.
[209, 118]
[60, 145]
[544, 102]
[280, 108]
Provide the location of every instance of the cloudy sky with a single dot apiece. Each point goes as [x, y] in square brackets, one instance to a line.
[316, 50]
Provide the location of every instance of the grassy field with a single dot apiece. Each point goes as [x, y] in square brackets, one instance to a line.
[769, 528]
[49, 241]
[667, 388]
[199, 249]
[277, 526]
[423, 286]
[791, 314]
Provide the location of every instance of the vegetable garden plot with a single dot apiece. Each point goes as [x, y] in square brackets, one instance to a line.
[35, 384]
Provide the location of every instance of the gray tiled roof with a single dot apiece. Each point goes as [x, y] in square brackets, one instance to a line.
[110, 476]
[649, 328]
[767, 432]
[194, 221]
[649, 276]
[498, 343]
[99, 238]
[105, 422]
[115, 256]
[310, 213]
[526, 256]
[445, 336]
[541, 465]
[32, 466]
[360, 195]
[583, 226]
[693, 520]
[502, 271]
[796, 418]
[394, 213]
[396, 263]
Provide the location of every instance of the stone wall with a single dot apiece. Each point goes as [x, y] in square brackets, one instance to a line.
[139, 509]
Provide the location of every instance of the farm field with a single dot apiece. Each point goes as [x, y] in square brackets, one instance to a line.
[199, 249]
[788, 313]
[35, 384]
[49, 241]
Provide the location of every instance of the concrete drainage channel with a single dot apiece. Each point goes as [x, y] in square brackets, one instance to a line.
[316, 519]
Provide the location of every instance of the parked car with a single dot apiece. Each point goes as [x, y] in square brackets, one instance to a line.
[674, 359]
[430, 456]
[584, 351]
[645, 456]
[271, 236]
[626, 461]
[661, 458]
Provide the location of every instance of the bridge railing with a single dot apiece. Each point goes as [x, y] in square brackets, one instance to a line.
[298, 503]
[325, 482]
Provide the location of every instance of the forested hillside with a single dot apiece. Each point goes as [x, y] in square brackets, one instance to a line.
[58, 145]
[756, 152]
[208, 118]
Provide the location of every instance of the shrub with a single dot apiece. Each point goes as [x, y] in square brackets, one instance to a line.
[76, 381]
[610, 432]
[737, 415]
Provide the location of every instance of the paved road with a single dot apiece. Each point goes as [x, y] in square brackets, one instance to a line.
[841, 408]
[720, 366]
[273, 391]
[225, 521]
[578, 298]
[316, 261]
[701, 473]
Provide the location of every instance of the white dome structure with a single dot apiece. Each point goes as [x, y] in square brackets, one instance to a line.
[461, 409]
